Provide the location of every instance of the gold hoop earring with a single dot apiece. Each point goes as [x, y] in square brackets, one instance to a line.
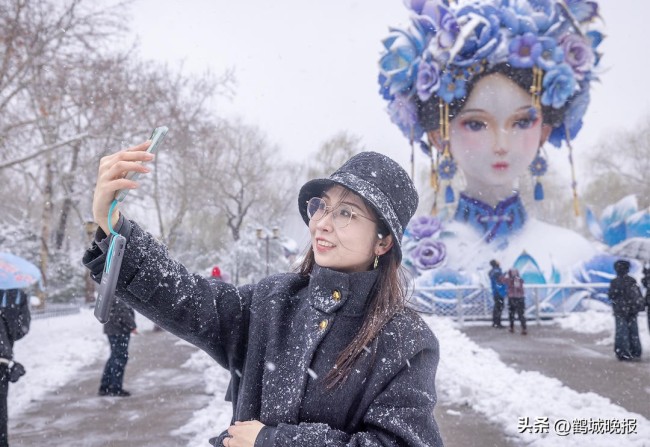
[374, 266]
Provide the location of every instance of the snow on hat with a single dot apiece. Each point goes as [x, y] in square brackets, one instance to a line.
[380, 181]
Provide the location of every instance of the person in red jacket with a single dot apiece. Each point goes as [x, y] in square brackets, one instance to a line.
[516, 299]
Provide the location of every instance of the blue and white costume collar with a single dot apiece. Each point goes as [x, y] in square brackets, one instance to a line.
[497, 222]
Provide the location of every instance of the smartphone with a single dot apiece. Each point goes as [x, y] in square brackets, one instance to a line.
[156, 138]
[106, 295]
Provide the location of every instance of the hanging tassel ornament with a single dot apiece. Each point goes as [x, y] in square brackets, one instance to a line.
[538, 168]
[536, 88]
[412, 155]
[574, 183]
[447, 166]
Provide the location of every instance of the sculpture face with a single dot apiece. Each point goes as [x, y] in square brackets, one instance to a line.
[495, 137]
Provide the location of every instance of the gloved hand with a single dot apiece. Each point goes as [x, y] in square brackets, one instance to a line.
[16, 370]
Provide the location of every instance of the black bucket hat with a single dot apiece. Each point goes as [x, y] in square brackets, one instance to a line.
[377, 179]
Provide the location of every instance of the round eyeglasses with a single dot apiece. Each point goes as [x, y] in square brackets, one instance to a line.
[342, 213]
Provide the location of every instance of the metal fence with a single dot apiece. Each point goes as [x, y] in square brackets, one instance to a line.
[464, 303]
[475, 302]
[57, 309]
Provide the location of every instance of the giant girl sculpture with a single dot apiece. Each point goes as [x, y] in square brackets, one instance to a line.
[482, 86]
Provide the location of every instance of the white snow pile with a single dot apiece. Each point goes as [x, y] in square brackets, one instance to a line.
[476, 376]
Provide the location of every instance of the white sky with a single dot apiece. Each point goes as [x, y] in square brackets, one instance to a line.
[308, 69]
[57, 348]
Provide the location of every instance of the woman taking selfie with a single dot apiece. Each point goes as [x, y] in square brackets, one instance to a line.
[326, 356]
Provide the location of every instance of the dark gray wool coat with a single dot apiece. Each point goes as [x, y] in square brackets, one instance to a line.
[279, 339]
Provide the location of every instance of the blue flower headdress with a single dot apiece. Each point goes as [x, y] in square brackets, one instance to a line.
[448, 43]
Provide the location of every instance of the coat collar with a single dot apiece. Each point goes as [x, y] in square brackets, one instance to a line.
[346, 293]
[500, 221]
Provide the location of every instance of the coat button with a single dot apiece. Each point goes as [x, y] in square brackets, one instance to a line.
[323, 325]
[336, 295]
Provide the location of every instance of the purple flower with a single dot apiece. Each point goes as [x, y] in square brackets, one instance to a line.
[416, 5]
[447, 28]
[559, 85]
[578, 54]
[428, 80]
[524, 51]
[403, 112]
[428, 254]
[423, 226]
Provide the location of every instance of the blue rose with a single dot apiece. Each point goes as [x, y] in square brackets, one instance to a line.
[428, 254]
[578, 54]
[423, 226]
[558, 85]
[399, 63]
[428, 80]
[483, 35]
[532, 16]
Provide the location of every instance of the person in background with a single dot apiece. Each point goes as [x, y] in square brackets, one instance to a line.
[625, 295]
[216, 273]
[516, 299]
[646, 283]
[118, 329]
[499, 292]
[15, 319]
[326, 355]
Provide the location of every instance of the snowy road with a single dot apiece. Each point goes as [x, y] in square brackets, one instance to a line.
[487, 380]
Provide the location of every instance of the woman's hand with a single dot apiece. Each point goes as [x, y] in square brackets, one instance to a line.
[110, 178]
[243, 434]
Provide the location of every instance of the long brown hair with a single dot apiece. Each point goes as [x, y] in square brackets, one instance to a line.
[387, 298]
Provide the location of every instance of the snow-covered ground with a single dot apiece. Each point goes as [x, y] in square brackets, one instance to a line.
[56, 348]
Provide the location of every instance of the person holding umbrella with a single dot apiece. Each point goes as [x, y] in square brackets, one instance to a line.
[14, 325]
[16, 275]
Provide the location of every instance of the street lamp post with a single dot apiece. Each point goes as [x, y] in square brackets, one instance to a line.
[264, 235]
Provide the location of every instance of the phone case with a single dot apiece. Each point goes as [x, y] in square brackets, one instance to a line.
[157, 136]
[106, 295]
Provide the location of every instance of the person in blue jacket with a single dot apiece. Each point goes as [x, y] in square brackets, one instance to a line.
[328, 355]
[499, 292]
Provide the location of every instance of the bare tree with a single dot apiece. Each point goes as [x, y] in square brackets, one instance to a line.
[333, 153]
[619, 166]
[243, 177]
